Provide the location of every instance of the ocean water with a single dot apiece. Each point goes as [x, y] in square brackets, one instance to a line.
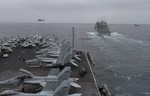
[122, 59]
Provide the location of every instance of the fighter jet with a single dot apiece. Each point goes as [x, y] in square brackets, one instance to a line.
[65, 57]
[59, 53]
[62, 60]
[62, 53]
[54, 72]
[30, 78]
[50, 89]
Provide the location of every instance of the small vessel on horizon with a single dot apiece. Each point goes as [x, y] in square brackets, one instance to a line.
[137, 25]
[102, 28]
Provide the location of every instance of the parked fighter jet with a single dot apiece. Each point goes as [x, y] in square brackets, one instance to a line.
[55, 50]
[50, 53]
[61, 61]
[30, 78]
[65, 56]
[48, 90]
[68, 58]
[54, 72]
[62, 53]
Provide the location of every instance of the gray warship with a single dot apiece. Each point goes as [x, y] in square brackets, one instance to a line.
[102, 28]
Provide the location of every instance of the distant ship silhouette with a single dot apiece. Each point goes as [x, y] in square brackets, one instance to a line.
[138, 25]
[102, 28]
[41, 20]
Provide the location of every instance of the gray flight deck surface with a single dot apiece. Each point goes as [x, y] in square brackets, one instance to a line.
[88, 83]
[9, 67]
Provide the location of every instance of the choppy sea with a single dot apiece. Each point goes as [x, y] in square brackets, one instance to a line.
[122, 59]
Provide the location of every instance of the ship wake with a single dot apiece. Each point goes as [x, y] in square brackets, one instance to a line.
[126, 57]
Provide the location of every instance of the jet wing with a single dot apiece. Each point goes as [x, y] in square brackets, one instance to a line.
[49, 61]
[32, 61]
[9, 93]
[77, 58]
[73, 63]
[75, 85]
[73, 79]
[54, 52]
[32, 81]
[26, 72]
[41, 80]
[54, 55]
[75, 94]
[36, 66]
[46, 58]
[10, 81]
[43, 83]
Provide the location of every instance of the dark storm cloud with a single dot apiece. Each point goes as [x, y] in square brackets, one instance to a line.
[115, 11]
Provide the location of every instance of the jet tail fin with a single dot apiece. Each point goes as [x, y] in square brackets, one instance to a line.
[63, 88]
[64, 74]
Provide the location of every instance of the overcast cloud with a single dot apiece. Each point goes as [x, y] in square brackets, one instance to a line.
[75, 11]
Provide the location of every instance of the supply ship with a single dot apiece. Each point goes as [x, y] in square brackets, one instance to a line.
[102, 28]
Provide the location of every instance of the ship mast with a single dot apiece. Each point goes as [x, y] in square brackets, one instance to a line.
[73, 37]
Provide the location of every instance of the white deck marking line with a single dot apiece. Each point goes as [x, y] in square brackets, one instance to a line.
[92, 74]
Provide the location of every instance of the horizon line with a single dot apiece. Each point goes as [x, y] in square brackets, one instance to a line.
[42, 22]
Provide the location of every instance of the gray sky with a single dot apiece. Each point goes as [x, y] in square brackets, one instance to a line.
[75, 11]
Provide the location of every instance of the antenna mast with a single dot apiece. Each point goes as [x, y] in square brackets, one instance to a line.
[73, 36]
